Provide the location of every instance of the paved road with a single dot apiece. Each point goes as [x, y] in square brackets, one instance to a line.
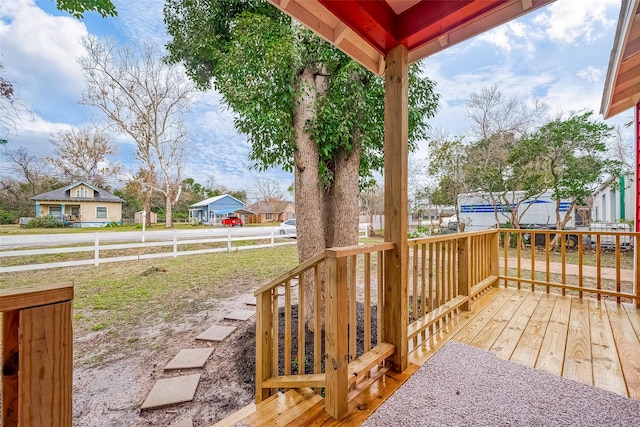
[30, 240]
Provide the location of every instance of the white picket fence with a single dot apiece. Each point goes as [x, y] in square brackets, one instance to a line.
[98, 248]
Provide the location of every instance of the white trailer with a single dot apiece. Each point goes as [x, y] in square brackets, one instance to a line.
[478, 211]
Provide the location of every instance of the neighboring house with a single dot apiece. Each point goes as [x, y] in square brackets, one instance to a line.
[615, 199]
[212, 210]
[139, 217]
[271, 211]
[80, 205]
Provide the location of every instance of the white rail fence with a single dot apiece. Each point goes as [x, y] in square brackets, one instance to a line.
[274, 239]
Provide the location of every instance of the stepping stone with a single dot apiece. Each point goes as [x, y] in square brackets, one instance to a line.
[240, 314]
[184, 422]
[169, 391]
[189, 358]
[216, 333]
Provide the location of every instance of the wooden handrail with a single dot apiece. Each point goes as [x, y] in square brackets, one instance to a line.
[33, 296]
[346, 251]
[316, 259]
[448, 237]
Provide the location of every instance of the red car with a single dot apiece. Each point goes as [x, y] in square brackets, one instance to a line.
[232, 221]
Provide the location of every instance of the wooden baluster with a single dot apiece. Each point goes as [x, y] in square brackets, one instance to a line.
[302, 355]
[353, 320]
[287, 327]
[599, 266]
[367, 302]
[564, 263]
[317, 334]
[547, 254]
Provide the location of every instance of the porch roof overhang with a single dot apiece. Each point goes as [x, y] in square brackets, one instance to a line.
[367, 30]
[622, 85]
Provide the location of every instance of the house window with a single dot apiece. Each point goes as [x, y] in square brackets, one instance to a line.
[82, 192]
[101, 212]
[268, 216]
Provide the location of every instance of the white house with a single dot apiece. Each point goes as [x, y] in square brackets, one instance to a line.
[615, 199]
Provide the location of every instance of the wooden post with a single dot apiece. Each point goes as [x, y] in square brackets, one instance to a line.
[464, 271]
[396, 210]
[37, 355]
[336, 321]
[264, 343]
[494, 248]
[46, 353]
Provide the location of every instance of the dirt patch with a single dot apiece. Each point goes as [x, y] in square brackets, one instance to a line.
[109, 392]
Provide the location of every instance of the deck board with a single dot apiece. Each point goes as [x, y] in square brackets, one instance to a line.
[577, 356]
[527, 349]
[607, 373]
[551, 356]
[492, 330]
[508, 340]
[627, 345]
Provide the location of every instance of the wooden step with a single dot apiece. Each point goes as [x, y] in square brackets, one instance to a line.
[243, 413]
[282, 410]
[295, 381]
[363, 364]
[432, 317]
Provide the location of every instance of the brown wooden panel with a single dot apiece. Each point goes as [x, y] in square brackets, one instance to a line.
[46, 365]
[10, 351]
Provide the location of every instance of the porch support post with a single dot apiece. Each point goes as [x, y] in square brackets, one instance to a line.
[396, 208]
[336, 336]
[464, 270]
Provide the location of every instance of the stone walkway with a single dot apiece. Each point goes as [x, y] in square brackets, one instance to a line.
[182, 388]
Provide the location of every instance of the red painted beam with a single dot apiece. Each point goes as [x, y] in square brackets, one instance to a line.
[426, 21]
[373, 20]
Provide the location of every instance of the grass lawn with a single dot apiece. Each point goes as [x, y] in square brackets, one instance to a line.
[119, 297]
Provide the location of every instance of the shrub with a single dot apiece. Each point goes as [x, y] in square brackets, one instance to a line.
[44, 222]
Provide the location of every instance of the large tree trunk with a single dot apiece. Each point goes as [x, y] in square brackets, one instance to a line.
[309, 196]
[341, 213]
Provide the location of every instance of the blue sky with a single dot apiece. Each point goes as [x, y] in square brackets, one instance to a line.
[558, 55]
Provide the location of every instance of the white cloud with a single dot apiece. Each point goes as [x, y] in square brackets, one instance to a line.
[142, 21]
[39, 50]
[590, 74]
[576, 21]
[513, 35]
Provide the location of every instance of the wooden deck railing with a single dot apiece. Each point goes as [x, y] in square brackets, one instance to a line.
[37, 355]
[290, 355]
[445, 274]
[600, 263]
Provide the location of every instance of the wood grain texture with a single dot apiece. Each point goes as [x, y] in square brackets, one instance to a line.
[33, 296]
[607, 373]
[551, 357]
[492, 330]
[577, 356]
[46, 358]
[528, 348]
[10, 366]
[627, 345]
[396, 206]
[336, 340]
[507, 341]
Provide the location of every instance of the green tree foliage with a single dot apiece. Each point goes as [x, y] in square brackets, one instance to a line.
[77, 8]
[572, 153]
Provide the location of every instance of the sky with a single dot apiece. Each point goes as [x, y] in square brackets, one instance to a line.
[557, 55]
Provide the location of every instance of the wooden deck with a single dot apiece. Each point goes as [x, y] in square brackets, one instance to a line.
[586, 340]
